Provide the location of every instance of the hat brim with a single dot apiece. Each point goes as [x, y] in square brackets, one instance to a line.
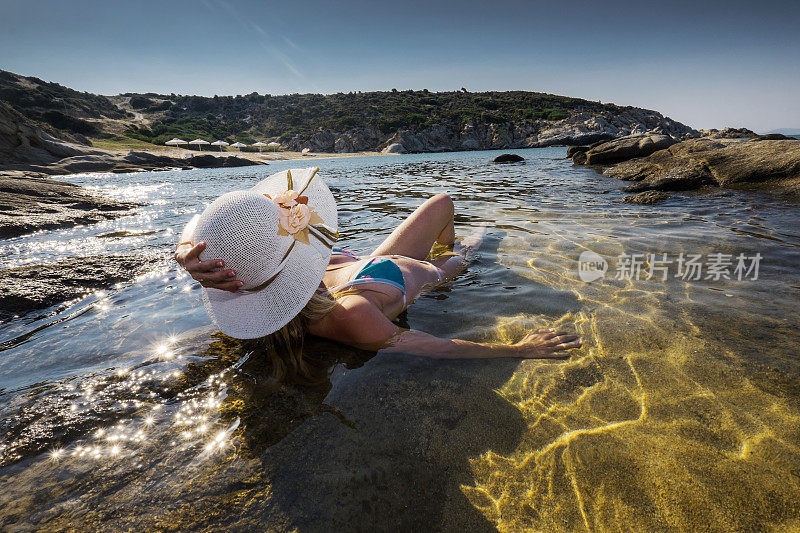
[245, 315]
[250, 315]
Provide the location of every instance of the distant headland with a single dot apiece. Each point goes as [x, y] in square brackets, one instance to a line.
[392, 121]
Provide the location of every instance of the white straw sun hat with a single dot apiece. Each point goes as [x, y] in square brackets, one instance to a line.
[277, 237]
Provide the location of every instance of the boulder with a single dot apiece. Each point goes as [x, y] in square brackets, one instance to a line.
[572, 150]
[409, 141]
[394, 148]
[322, 141]
[508, 158]
[716, 162]
[628, 147]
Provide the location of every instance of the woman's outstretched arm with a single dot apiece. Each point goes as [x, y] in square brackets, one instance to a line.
[358, 322]
[542, 343]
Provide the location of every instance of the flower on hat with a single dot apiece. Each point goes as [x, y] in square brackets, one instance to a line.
[289, 198]
[295, 220]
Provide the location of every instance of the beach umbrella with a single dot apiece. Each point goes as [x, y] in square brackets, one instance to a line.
[175, 142]
[199, 142]
[306, 151]
[238, 145]
[273, 143]
[259, 144]
[219, 143]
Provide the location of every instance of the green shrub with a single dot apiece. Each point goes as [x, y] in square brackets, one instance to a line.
[140, 102]
[415, 119]
[557, 114]
[65, 122]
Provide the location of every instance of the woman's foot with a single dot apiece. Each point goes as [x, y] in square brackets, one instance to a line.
[469, 244]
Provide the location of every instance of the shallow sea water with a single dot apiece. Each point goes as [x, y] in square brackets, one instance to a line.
[681, 411]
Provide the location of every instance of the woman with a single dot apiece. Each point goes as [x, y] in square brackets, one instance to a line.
[269, 270]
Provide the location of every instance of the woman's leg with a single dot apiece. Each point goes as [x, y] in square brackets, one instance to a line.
[431, 222]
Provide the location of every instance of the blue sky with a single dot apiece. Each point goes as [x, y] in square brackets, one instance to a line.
[706, 63]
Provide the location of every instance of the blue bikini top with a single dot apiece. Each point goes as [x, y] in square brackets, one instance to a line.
[376, 270]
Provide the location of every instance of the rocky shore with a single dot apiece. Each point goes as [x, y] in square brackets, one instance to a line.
[33, 204]
[578, 129]
[26, 150]
[33, 287]
[662, 163]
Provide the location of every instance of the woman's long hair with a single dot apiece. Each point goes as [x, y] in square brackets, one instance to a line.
[284, 348]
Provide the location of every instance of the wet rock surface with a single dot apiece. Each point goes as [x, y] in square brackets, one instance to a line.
[32, 204]
[621, 149]
[716, 162]
[32, 287]
[508, 158]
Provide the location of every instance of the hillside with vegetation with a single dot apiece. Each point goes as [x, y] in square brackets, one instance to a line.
[256, 116]
[354, 121]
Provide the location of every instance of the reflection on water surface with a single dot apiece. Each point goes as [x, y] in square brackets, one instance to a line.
[126, 410]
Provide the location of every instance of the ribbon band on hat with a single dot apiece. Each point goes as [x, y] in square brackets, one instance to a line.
[318, 229]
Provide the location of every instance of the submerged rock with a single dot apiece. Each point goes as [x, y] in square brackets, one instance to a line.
[31, 287]
[722, 163]
[623, 149]
[508, 158]
[32, 204]
[646, 198]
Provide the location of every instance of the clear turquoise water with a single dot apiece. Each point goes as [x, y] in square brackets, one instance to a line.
[692, 385]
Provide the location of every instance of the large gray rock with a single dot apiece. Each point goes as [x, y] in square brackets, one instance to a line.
[395, 148]
[32, 287]
[321, 141]
[32, 204]
[392, 457]
[408, 140]
[723, 163]
[470, 144]
[628, 147]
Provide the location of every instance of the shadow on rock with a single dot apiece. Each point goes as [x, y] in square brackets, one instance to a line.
[392, 447]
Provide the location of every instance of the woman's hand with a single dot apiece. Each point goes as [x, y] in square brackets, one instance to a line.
[358, 322]
[210, 274]
[546, 343]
